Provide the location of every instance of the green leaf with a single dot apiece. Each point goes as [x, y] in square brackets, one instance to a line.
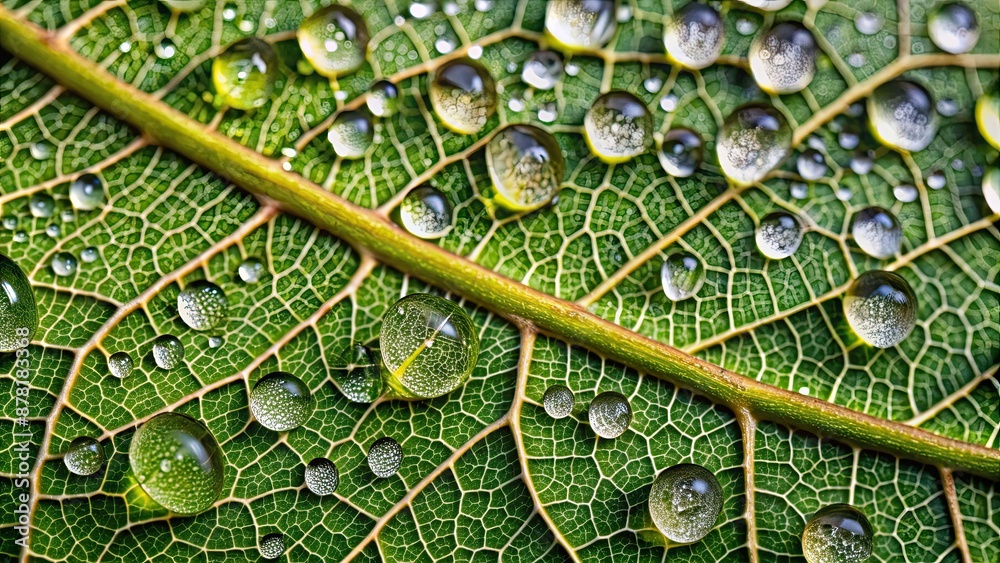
[759, 378]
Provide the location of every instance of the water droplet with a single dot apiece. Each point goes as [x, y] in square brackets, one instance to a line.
[250, 270]
[668, 103]
[184, 6]
[867, 23]
[351, 134]
[799, 190]
[18, 312]
[40, 150]
[272, 546]
[423, 10]
[383, 99]
[694, 36]
[848, 140]
[610, 414]
[547, 112]
[877, 232]
[745, 26]
[685, 501]
[543, 70]
[202, 305]
[385, 457]
[856, 60]
[168, 352]
[902, 115]
[86, 193]
[229, 12]
[652, 84]
[280, 401]
[361, 378]
[334, 40]
[862, 162]
[753, 140]
[905, 193]
[463, 95]
[767, 5]
[991, 188]
[444, 45]
[425, 213]
[215, 341]
[120, 364]
[779, 235]
[416, 368]
[936, 180]
[811, 165]
[196, 474]
[681, 152]
[682, 275]
[42, 205]
[783, 58]
[526, 166]
[244, 75]
[322, 476]
[881, 308]
[988, 118]
[953, 27]
[558, 401]
[618, 127]
[52, 230]
[580, 24]
[63, 264]
[89, 254]
[85, 456]
[165, 49]
[484, 5]
[838, 533]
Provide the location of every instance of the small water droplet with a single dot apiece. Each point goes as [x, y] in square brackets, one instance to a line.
[543, 70]
[385, 457]
[618, 127]
[251, 270]
[526, 166]
[351, 134]
[383, 99]
[936, 180]
[42, 205]
[811, 165]
[464, 95]
[799, 190]
[41, 150]
[202, 305]
[64, 264]
[767, 5]
[168, 352]
[245, 74]
[953, 27]
[322, 476]
[18, 311]
[426, 213]
[753, 140]
[681, 152]
[85, 456]
[610, 414]
[838, 533]
[334, 40]
[902, 115]
[684, 502]
[867, 23]
[558, 401]
[877, 232]
[580, 24]
[120, 364]
[694, 36]
[905, 193]
[682, 276]
[881, 308]
[783, 58]
[779, 235]
[991, 188]
[280, 401]
[86, 193]
[165, 49]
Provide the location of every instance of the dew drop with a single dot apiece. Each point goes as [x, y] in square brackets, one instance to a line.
[165, 49]
[385, 457]
[779, 235]
[168, 352]
[526, 166]
[580, 24]
[18, 312]
[838, 533]
[85, 456]
[196, 462]
[383, 99]
[322, 476]
[86, 193]
[991, 188]
[988, 118]
[811, 165]
[250, 270]
[464, 95]
[783, 58]
[558, 401]
[682, 275]
[902, 115]
[936, 180]
[905, 193]
[684, 502]
[694, 36]
[753, 140]
[40, 150]
[361, 378]
[767, 5]
[881, 308]
[425, 213]
[89, 254]
[610, 414]
[799, 190]
[64, 264]
[272, 546]
[280, 401]
[42, 205]
[334, 40]
[953, 27]
[618, 127]
[351, 134]
[848, 140]
[867, 23]
[244, 75]
[543, 70]
[745, 26]
[681, 152]
[423, 9]
[862, 162]
[202, 305]
[877, 232]
[120, 364]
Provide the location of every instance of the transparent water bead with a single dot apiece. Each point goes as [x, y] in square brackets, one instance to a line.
[783, 58]
[202, 305]
[580, 24]
[753, 140]
[526, 166]
[902, 115]
[767, 5]
[881, 308]
[64, 264]
[426, 213]
[121, 364]
[361, 378]
[936, 180]
[244, 75]
[991, 188]
[811, 165]
[272, 546]
[464, 95]
[610, 414]
[681, 152]
[682, 276]
[168, 352]
[86, 193]
[322, 476]
[178, 462]
[42, 205]
[694, 36]
[280, 401]
[85, 456]
[558, 401]
[89, 254]
[953, 27]
[351, 134]
[429, 346]
[618, 127]
[334, 40]
[877, 232]
[779, 235]
[684, 502]
[165, 49]
[383, 99]
[839, 533]
[905, 193]
[385, 457]
[251, 270]
[543, 70]
[988, 118]
[18, 311]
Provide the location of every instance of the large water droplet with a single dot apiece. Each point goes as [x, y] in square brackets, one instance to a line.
[558, 401]
[811, 165]
[322, 476]
[272, 546]
[618, 127]
[988, 118]
[753, 140]
[334, 40]
[202, 305]
[168, 352]
[543, 70]
[195, 462]
[250, 270]
[351, 134]
[120, 364]
[42, 205]
[85, 456]
[685, 501]
[580, 24]
[682, 275]
[385, 457]
[280, 401]
[610, 414]
[383, 99]
[991, 188]
[463, 95]
[902, 115]
[953, 27]
[429, 346]
[86, 193]
[526, 166]
[838, 533]
[64, 264]
[767, 5]
[694, 36]
[681, 152]
[18, 312]
[779, 235]
[360, 380]
[783, 58]
[425, 213]
[881, 308]
[877, 232]
[244, 75]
